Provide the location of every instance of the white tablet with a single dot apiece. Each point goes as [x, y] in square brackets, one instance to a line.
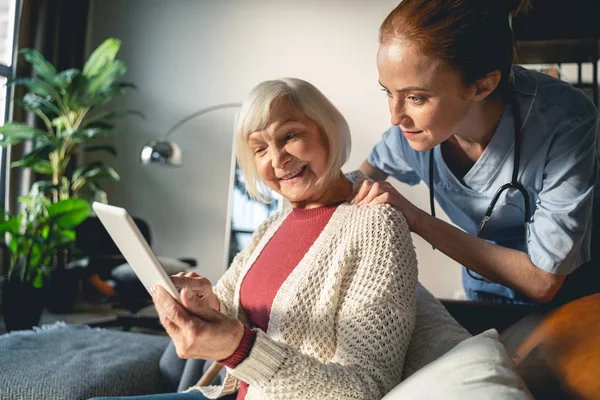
[133, 246]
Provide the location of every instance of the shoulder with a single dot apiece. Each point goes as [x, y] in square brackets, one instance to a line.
[554, 98]
[380, 221]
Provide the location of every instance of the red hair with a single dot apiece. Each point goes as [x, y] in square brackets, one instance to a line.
[472, 36]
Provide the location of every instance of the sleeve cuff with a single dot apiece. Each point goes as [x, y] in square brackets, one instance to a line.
[264, 361]
[243, 350]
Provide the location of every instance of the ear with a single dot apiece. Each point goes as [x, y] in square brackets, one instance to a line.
[486, 85]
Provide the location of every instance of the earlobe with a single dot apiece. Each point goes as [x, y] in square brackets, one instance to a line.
[486, 85]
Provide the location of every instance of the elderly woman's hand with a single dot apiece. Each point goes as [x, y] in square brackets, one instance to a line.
[196, 290]
[199, 331]
[372, 193]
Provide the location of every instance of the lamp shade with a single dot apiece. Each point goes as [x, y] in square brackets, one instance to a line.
[162, 152]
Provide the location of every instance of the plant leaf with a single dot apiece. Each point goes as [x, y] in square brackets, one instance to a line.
[97, 129]
[42, 167]
[69, 213]
[62, 237]
[108, 115]
[40, 65]
[107, 148]
[101, 172]
[76, 92]
[43, 186]
[30, 159]
[64, 78]
[41, 88]
[34, 101]
[102, 56]
[106, 77]
[36, 255]
[38, 281]
[11, 225]
[116, 89]
[14, 132]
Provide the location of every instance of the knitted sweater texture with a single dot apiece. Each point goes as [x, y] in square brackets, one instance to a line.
[341, 322]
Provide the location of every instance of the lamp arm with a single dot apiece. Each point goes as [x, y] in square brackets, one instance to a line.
[200, 112]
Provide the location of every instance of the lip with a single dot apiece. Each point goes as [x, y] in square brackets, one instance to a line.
[295, 178]
[409, 134]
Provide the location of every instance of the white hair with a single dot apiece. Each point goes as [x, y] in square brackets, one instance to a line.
[255, 115]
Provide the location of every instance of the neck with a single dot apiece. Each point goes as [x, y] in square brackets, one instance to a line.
[338, 190]
[482, 122]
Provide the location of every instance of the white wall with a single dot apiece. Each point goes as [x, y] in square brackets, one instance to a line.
[188, 54]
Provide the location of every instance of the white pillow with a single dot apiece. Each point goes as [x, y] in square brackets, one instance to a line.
[477, 368]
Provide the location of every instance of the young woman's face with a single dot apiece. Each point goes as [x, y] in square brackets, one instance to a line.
[427, 99]
[291, 155]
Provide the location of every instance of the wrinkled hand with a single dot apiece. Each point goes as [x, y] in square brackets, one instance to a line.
[205, 334]
[372, 193]
[196, 291]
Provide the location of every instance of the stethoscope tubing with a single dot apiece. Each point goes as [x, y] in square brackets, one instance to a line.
[513, 184]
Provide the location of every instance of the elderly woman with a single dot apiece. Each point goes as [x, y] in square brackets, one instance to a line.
[321, 304]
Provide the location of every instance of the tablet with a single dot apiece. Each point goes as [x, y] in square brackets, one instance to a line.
[134, 247]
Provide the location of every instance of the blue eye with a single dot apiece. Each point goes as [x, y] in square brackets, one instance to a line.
[416, 99]
[289, 137]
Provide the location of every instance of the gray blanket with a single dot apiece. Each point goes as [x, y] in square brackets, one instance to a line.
[71, 362]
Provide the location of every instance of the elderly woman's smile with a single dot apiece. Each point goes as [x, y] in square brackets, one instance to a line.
[291, 177]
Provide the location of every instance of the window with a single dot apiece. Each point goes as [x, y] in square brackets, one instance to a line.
[9, 17]
[246, 215]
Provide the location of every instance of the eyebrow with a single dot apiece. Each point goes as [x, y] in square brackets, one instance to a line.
[289, 120]
[407, 89]
[252, 139]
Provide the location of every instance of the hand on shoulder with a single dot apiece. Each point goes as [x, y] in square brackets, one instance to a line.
[370, 193]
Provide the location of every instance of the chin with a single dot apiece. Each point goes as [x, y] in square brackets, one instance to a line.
[421, 146]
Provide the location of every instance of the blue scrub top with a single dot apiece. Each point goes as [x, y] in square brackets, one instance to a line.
[558, 167]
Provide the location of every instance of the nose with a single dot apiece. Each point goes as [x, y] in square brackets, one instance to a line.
[279, 157]
[398, 113]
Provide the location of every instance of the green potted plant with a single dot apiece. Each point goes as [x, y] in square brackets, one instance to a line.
[33, 237]
[64, 104]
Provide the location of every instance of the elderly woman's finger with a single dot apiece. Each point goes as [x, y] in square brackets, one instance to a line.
[196, 283]
[179, 274]
[198, 289]
[168, 309]
[364, 189]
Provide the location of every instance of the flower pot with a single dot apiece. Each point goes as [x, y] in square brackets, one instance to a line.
[62, 290]
[22, 304]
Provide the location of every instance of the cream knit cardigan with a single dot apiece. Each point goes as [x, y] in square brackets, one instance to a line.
[341, 322]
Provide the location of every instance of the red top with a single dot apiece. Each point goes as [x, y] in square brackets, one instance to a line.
[278, 259]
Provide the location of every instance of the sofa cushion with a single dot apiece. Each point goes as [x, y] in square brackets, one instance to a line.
[63, 361]
[436, 332]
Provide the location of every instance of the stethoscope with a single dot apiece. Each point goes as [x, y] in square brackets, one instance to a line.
[513, 184]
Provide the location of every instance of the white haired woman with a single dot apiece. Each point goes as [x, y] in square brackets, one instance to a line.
[321, 304]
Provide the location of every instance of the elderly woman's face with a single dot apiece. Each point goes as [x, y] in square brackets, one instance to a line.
[291, 155]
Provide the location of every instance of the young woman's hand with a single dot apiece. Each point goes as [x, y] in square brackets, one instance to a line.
[195, 290]
[198, 331]
[371, 193]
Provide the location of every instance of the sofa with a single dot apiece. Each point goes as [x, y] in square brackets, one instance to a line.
[73, 362]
